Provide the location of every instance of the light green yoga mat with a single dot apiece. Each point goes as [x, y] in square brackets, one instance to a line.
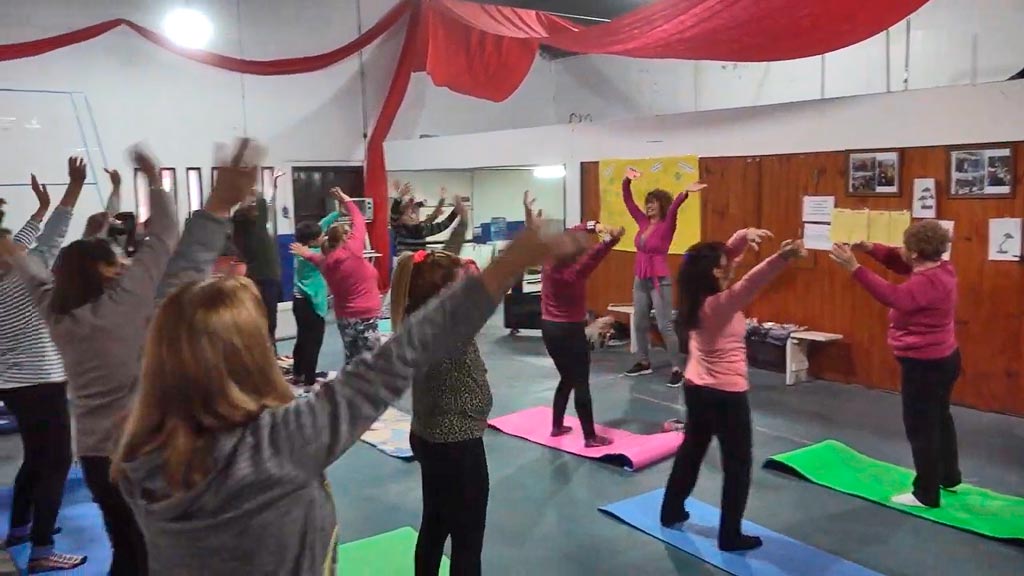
[388, 554]
[839, 467]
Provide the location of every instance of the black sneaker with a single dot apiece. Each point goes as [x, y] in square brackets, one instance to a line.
[639, 369]
[676, 380]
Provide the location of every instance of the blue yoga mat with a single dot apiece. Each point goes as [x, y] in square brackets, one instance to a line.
[81, 524]
[780, 556]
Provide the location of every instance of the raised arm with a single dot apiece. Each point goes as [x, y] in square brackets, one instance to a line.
[329, 221]
[724, 305]
[436, 213]
[52, 238]
[458, 235]
[357, 239]
[315, 431]
[888, 256]
[677, 202]
[114, 200]
[742, 239]
[435, 228]
[627, 198]
[914, 294]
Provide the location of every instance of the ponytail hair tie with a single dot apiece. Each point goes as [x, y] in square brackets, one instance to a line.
[419, 256]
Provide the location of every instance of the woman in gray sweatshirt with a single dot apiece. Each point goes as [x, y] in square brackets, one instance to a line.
[98, 312]
[224, 469]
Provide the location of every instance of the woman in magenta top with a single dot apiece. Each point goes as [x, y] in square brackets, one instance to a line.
[563, 300]
[921, 335]
[711, 312]
[352, 281]
[652, 287]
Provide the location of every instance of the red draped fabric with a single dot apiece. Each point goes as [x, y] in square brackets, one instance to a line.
[486, 51]
[283, 66]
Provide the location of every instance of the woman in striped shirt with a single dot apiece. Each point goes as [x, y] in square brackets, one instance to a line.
[34, 387]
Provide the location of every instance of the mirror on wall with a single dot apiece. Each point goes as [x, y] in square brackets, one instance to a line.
[495, 197]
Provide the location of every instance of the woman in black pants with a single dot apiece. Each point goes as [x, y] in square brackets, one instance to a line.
[922, 336]
[33, 387]
[563, 327]
[716, 384]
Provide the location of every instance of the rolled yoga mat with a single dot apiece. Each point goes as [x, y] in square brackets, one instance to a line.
[390, 434]
[388, 554]
[839, 467]
[780, 556]
[81, 525]
[630, 451]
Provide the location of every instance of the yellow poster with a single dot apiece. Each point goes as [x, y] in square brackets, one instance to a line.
[879, 226]
[898, 224]
[849, 226]
[673, 174]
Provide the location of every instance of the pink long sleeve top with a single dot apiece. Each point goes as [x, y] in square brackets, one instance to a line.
[563, 292]
[349, 275]
[921, 310]
[653, 239]
[718, 348]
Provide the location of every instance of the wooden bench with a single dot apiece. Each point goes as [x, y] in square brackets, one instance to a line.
[796, 353]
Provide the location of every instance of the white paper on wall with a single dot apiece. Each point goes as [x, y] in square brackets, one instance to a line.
[1004, 239]
[818, 208]
[925, 198]
[818, 236]
[948, 225]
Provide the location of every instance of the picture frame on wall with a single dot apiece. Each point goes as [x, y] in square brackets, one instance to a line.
[873, 173]
[981, 172]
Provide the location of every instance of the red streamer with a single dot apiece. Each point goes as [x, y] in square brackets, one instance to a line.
[486, 51]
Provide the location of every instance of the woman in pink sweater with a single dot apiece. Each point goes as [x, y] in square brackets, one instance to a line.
[652, 287]
[921, 335]
[351, 279]
[711, 311]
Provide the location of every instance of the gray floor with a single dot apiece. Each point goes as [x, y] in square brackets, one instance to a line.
[543, 516]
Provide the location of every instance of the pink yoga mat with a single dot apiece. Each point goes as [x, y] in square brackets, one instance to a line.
[630, 451]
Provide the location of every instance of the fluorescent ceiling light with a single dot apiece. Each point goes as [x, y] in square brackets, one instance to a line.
[549, 172]
[188, 28]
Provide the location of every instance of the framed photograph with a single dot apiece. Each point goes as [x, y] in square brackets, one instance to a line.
[981, 172]
[874, 174]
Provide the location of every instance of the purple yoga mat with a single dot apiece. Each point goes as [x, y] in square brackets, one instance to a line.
[630, 451]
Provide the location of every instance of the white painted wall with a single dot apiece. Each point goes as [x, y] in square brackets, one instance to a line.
[499, 194]
[913, 118]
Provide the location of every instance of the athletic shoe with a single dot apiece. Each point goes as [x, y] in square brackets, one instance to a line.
[908, 499]
[739, 544]
[676, 380]
[674, 520]
[640, 369]
[55, 562]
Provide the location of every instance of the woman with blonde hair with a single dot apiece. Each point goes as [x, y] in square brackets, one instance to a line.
[922, 337]
[223, 468]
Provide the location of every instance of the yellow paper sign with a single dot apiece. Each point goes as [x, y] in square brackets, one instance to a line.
[673, 174]
[898, 224]
[879, 226]
[849, 226]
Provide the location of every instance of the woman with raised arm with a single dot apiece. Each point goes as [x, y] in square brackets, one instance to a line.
[33, 385]
[711, 312]
[922, 336]
[564, 323]
[224, 467]
[98, 313]
[652, 285]
[351, 278]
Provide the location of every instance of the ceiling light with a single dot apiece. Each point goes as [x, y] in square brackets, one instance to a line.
[549, 172]
[188, 28]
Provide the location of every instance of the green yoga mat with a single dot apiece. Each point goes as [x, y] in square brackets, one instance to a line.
[839, 467]
[388, 554]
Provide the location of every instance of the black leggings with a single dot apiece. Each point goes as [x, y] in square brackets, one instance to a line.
[45, 428]
[125, 536]
[270, 293]
[927, 388]
[455, 491]
[308, 340]
[726, 416]
[568, 346]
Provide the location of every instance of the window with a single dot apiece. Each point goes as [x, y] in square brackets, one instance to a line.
[169, 180]
[194, 183]
[142, 204]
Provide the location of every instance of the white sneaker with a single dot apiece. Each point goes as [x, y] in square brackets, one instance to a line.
[907, 499]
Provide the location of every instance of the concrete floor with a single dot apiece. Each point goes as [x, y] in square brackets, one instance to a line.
[543, 516]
